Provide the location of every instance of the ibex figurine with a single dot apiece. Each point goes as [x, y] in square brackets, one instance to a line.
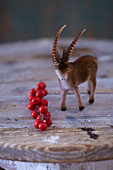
[71, 74]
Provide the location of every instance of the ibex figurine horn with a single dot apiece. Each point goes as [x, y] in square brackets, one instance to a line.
[71, 74]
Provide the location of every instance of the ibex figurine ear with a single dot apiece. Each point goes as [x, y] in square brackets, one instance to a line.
[71, 74]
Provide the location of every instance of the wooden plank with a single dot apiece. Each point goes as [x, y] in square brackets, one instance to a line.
[75, 136]
[99, 113]
[101, 165]
[61, 145]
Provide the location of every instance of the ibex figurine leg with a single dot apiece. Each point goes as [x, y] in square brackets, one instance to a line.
[77, 93]
[88, 87]
[63, 99]
[92, 91]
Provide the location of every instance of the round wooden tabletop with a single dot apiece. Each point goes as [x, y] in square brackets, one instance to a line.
[75, 136]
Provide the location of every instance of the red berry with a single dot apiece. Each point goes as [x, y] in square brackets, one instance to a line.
[44, 84]
[47, 114]
[40, 94]
[36, 100]
[33, 92]
[48, 118]
[40, 86]
[49, 122]
[42, 126]
[44, 102]
[30, 97]
[34, 114]
[31, 106]
[43, 109]
[46, 92]
[45, 121]
[39, 117]
[37, 122]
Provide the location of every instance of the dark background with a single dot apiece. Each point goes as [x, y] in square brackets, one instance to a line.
[30, 19]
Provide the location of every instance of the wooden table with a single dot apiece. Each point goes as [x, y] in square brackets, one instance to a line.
[75, 136]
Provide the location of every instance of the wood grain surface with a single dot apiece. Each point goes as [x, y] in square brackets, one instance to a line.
[75, 136]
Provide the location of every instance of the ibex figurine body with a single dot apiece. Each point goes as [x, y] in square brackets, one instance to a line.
[71, 74]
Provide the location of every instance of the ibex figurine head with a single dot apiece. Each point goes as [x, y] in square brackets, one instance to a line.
[71, 74]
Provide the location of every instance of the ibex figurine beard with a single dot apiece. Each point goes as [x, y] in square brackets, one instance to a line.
[71, 74]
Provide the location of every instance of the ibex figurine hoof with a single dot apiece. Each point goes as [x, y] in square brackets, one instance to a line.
[91, 101]
[71, 74]
[63, 109]
[81, 108]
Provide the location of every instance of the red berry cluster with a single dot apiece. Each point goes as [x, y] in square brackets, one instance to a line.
[38, 105]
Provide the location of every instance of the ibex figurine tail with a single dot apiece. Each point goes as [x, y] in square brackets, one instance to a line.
[71, 74]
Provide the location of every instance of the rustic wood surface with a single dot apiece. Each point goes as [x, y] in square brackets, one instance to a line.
[18, 165]
[75, 136]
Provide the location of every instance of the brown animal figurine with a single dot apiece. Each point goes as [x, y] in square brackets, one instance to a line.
[71, 74]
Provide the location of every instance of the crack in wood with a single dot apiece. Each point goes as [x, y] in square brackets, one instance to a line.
[90, 132]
